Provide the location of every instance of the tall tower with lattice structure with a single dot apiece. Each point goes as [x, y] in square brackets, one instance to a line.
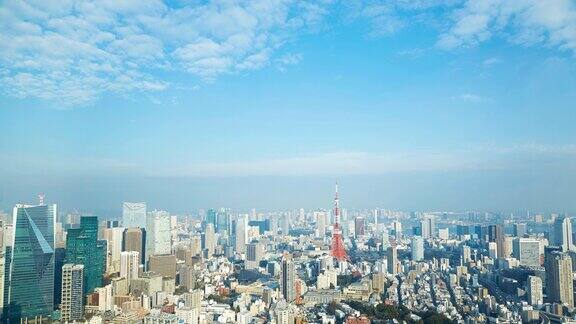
[337, 250]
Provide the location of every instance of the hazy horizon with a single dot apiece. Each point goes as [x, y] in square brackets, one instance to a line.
[412, 105]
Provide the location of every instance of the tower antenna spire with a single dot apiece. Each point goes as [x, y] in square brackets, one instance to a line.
[337, 248]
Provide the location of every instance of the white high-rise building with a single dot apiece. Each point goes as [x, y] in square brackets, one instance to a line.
[209, 239]
[134, 214]
[493, 250]
[72, 305]
[563, 233]
[392, 259]
[534, 290]
[320, 217]
[241, 234]
[129, 265]
[158, 234]
[114, 237]
[417, 248]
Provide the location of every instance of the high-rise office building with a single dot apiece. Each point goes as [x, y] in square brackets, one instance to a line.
[288, 280]
[563, 233]
[82, 248]
[534, 290]
[527, 251]
[114, 238]
[254, 254]
[135, 240]
[397, 229]
[158, 234]
[559, 278]
[520, 229]
[385, 239]
[241, 237]
[320, 217]
[466, 254]
[211, 217]
[496, 235]
[72, 306]
[209, 240]
[129, 265]
[134, 214]
[417, 248]
[428, 226]
[392, 260]
[29, 258]
[163, 264]
[223, 221]
[285, 221]
[359, 226]
[493, 250]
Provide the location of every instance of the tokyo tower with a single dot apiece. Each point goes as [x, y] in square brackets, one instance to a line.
[337, 250]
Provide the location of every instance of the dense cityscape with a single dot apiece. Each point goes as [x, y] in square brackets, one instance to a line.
[287, 161]
[297, 266]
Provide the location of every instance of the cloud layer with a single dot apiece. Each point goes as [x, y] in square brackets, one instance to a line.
[73, 51]
[476, 158]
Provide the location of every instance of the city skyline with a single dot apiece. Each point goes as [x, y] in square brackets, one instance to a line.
[243, 100]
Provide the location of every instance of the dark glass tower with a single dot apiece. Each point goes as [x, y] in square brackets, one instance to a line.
[82, 247]
[30, 275]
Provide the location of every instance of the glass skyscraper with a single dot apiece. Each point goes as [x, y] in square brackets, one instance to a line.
[30, 264]
[83, 247]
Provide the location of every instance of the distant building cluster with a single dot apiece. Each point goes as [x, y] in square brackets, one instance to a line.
[295, 266]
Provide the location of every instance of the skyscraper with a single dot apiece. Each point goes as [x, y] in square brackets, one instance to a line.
[288, 280]
[241, 234]
[534, 290]
[135, 240]
[285, 221]
[417, 248]
[82, 248]
[114, 237]
[209, 240]
[129, 264]
[428, 226]
[254, 254]
[519, 229]
[559, 278]
[496, 235]
[359, 226]
[72, 306]
[158, 235]
[320, 217]
[563, 233]
[211, 216]
[134, 214]
[397, 229]
[29, 279]
[527, 251]
[392, 259]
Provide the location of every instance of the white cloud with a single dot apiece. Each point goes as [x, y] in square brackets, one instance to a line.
[469, 97]
[73, 51]
[491, 61]
[472, 158]
[478, 157]
[526, 22]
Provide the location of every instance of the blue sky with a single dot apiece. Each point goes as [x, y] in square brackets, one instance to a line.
[286, 91]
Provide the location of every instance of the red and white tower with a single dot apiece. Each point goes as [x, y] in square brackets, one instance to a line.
[338, 250]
